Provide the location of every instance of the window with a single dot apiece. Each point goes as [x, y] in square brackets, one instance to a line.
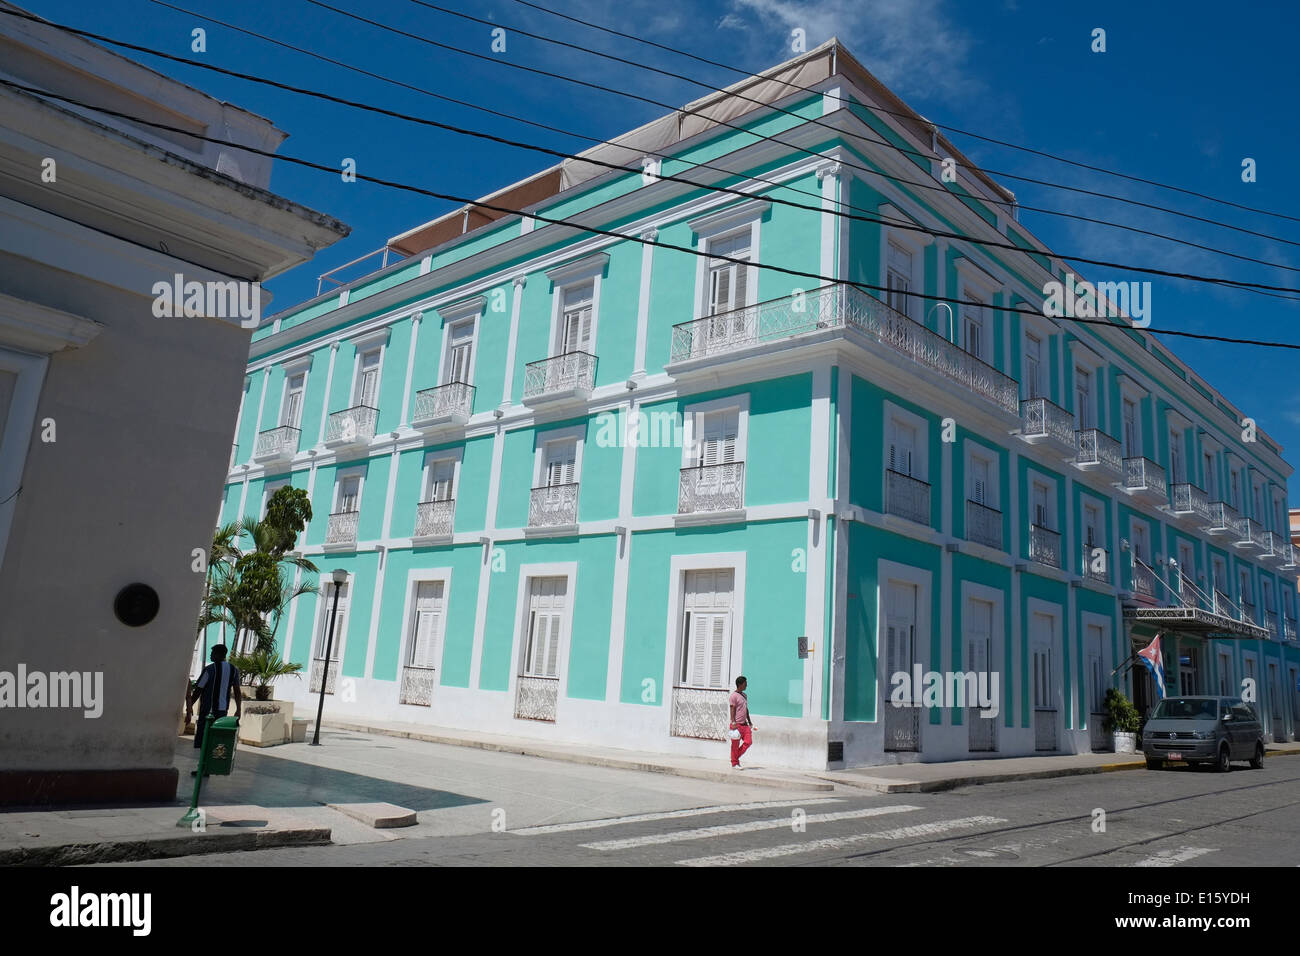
[458, 364]
[898, 271]
[575, 319]
[979, 481]
[560, 463]
[1235, 488]
[903, 448]
[1132, 449]
[1083, 397]
[1175, 456]
[717, 433]
[1225, 673]
[1211, 484]
[340, 623]
[365, 391]
[291, 409]
[1040, 500]
[728, 282]
[1033, 365]
[547, 601]
[1140, 550]
[423, 646]
[441, 480]
[1244, 580]
[973, 323]
[1186, 570]
[271, 488]
[1258, 513]
[706, 629]
[1091, 527]
[348, 495]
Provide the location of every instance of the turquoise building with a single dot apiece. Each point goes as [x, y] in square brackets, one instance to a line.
[581, 480]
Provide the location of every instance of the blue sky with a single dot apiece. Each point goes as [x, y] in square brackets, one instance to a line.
[1183, 93]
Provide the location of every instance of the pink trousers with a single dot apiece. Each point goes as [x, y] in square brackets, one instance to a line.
[738, 747]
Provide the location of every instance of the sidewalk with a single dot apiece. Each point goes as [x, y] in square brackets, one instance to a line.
[892, 778]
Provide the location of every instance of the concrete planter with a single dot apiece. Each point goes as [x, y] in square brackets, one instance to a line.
[262, 730]
[1125, 743]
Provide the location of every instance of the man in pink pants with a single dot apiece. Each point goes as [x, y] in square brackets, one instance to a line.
[738, 703]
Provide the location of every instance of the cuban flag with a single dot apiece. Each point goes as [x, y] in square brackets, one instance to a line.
[1155, 662]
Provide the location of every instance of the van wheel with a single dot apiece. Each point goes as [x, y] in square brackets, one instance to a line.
[1223, 764]
[1154, 763]
[1257, 761]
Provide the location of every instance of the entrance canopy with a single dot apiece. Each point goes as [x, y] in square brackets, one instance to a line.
[1195, 620]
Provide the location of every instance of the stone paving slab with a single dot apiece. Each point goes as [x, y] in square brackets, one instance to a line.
[381, 816]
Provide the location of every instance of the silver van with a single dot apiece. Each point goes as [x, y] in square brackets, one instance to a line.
[1213, 730]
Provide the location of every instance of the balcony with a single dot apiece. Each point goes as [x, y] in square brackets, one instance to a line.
[983, 525]
[1272, 548]
[1095, 564]
[562, 378]
[351, 428]
[1097, 451]
[1222, 605]
[1288, 629]
[1225, 520]
[1248, 613]
[1044, 546]
[1288, 554]
[447, 405]
[907, 497]
[341, 531]
[837, 307]
[434, 520]
[712, 490]
[1145, 583]
[1144, 479]
[553, 509]
[1188, 501]
[1271, 622]
[1043, 422]
[1254, 536]
[276, 444]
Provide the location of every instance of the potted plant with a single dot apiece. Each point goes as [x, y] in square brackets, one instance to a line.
[1122, 721]
[262, 725]
[261, 668]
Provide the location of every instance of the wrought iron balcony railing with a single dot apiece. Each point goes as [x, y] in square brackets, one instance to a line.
[1270, 546]
[1187, 499]
[838, 307]
[1254, 534]
[417, 685]
[355, 425]
[1225, 520]
[342, 528]
[907, 497]
[1098, 450]
[1144, 475]
[1145, 582]
[560, 374]
[553, 506]
[1222, 604]
[1041, 420]
[434, 519]
[983, 524]
[1248, 613]
[452, 403]
[709, 488]
[1288, 629]
[275, 443]
[1044, 546]
[1096, 563]
[1271, 622]
[1288, 554]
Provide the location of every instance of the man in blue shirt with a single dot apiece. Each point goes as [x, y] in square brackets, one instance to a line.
[214, 688]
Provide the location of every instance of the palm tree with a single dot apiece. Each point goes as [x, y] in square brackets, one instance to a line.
[220, 560]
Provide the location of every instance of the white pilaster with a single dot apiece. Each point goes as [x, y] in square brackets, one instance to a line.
[643, 302]
[410, 372]
[325, 402]
[519, 282]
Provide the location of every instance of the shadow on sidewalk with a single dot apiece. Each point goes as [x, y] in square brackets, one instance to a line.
[278, 782]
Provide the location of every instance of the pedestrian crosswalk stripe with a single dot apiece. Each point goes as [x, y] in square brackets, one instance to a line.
[1173, 857]
[671, 815]
[728, 829]
[839, 843]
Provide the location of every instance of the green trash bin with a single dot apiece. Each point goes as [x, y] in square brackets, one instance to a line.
[219, 746]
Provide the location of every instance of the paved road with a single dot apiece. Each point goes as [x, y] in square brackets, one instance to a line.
[1181, 817]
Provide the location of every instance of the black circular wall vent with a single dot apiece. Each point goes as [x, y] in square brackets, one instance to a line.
[136, 605]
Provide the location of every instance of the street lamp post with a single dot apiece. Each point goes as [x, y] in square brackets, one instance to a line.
[340, 578]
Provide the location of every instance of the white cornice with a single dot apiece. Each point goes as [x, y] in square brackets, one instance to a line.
[38, 328]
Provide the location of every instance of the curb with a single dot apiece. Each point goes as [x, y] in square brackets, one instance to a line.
[122, 851]
[952, 783]
[617, 763]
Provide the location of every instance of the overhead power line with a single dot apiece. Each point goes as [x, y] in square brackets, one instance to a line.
[597, 231]
[892, 223]
[952, 129]
[593, 139]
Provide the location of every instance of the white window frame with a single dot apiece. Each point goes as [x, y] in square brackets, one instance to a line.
[556, 569]
[1129, 391]
[414, 578]
[343, 474]
[921, 463]
[576, 433]
[357, 361]
[570, 276]
[1052, 517]
[971, 279]
[678, 565]
[1087, 501]
[684, 637]
[739, 401]
[923, 580]
[431, 460]
[301, 366]
[325, 604]
[466, 310]
[1148, 538]
[722, 225]
[973, 450]
[914, 243]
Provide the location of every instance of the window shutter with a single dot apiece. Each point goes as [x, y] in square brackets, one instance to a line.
[720, 289]
[441, 476]
[717, 646]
